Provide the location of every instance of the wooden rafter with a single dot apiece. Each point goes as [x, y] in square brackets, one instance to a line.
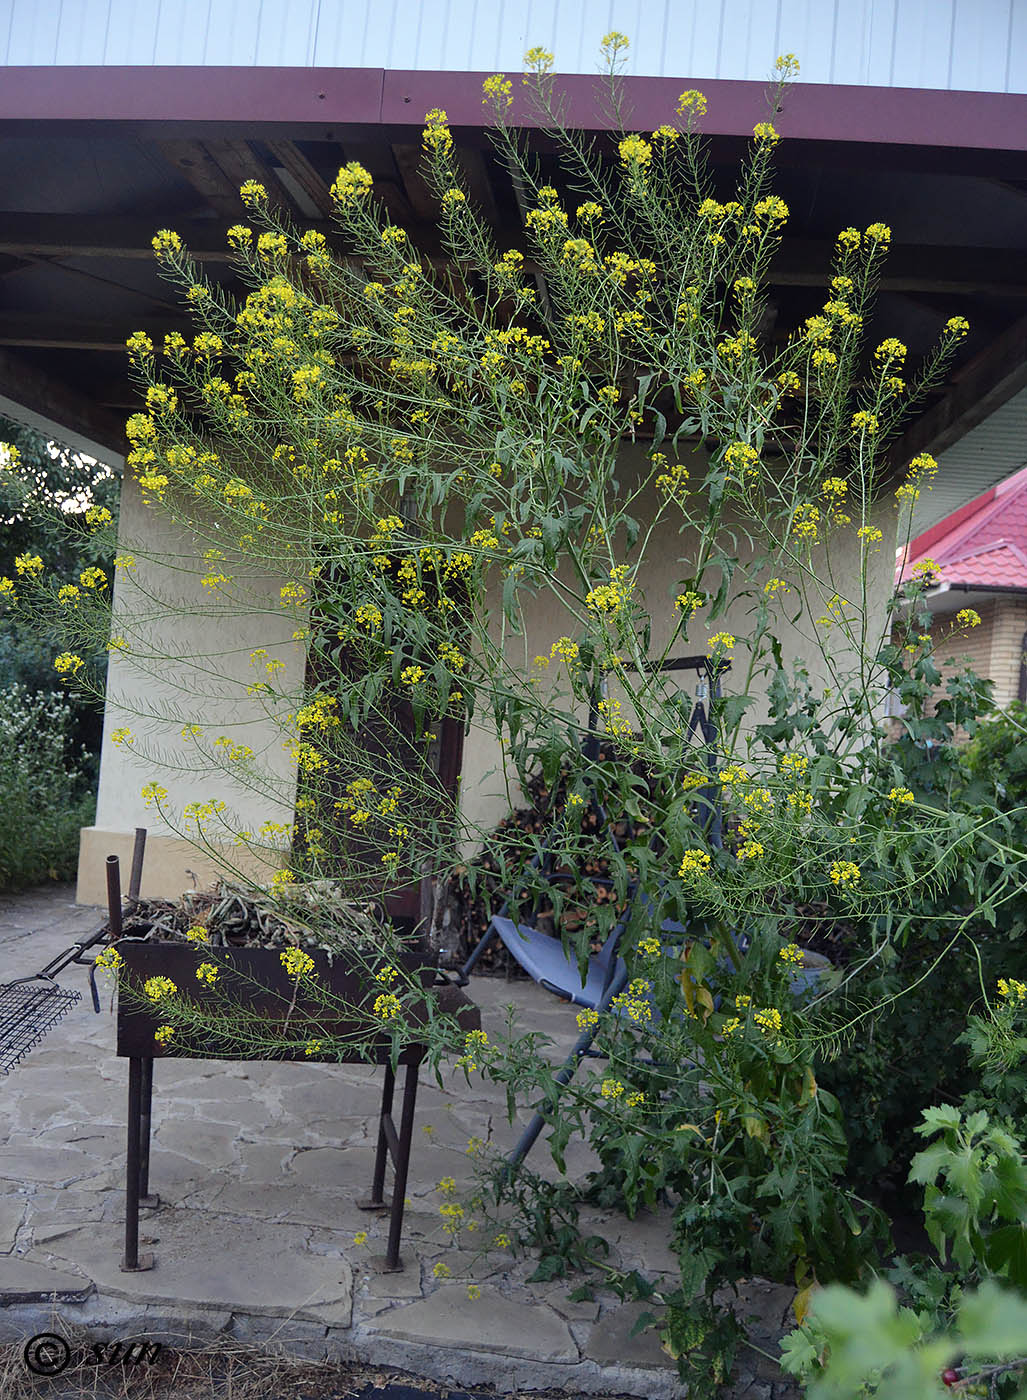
[290, 158]
[44, 401]
[799, 262]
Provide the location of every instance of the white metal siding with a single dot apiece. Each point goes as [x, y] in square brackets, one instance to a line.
[974, 45]
[988, 454]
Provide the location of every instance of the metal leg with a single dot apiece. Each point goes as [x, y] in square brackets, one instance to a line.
[563, 1076]
[145, 1196]
[401, 1164]
[376, 1200]
[463, 975]
[133, 1262]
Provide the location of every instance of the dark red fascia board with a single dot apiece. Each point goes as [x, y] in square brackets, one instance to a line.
[393, 97]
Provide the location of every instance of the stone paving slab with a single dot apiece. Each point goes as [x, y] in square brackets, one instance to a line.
[206, 1261]
[259, 1168]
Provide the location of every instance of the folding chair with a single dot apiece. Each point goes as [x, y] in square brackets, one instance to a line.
[545, 958]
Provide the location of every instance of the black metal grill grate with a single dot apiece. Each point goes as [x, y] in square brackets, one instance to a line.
[27, 1011]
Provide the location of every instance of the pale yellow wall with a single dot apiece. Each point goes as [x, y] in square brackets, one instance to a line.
[489, 787]
[205, 684]
[994, 648]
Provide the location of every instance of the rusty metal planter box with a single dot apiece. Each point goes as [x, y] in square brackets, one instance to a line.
[255, 980]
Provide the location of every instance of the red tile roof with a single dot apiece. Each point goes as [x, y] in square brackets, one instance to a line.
[983, 545]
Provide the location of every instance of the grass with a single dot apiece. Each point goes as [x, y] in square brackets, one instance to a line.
[217, 1370]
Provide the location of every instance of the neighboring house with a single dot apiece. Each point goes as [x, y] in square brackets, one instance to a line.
[119, 117]
[978, 558]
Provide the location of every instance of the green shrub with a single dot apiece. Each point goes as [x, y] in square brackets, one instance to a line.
[44, 794]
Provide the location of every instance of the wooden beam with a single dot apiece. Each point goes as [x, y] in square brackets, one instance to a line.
[32, 395]
[288, 155]
[806, 262]
[239, 163]
[105, 236]
[799, 263]
[53, 331]
[193, 160]
[979, 387]
[475, 171]
[422, 201]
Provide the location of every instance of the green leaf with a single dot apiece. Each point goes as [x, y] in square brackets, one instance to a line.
[1005, 1252]
[993, 1323]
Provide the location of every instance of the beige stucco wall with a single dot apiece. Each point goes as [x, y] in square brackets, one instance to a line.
[207, 686]
[488, 784]
[161, 606]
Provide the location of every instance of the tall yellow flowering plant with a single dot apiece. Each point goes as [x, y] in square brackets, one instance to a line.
[502, 489]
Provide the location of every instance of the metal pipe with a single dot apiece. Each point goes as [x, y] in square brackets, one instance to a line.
[402, 1166]
[135, 1089]
[136, 878]
[114, 896]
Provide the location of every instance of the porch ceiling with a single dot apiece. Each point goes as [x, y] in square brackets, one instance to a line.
[81, 195]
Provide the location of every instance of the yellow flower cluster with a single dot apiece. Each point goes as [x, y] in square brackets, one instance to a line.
[900, 794]
[720, 642]
[769, 1020]
[613, 721]
[498, 89]
[634, 1002]
[968, 617]
[607, 599]
[166, 243]
[1013, 990]
[920, 476]
[387, 1006]
[436, 135]
[694, 863]
[635, 151]
[296, 962]
[806, 522]
[208, 973]
[68, 664]
[791, 953]
[742, 458]
[611, 1089]
[352, 184]
[792, 765]
[844, 872]
[692, 103]
[156, 988]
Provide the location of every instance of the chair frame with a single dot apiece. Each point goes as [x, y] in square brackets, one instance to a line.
[605, 968]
